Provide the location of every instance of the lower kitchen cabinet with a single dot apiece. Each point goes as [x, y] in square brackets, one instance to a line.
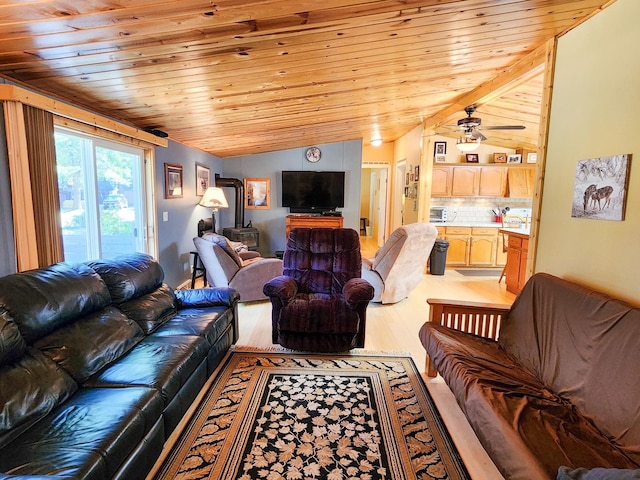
[483, 248]
[516, 269]
[472, 246]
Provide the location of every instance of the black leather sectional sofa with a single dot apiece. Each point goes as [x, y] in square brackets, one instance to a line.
[98, 364]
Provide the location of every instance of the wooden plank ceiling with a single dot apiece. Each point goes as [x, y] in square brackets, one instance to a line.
[234, 77]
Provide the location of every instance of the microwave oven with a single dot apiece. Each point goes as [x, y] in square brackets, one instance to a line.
[438, 214]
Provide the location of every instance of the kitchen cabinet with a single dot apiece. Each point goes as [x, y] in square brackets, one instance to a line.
[521, 181]
[484, 181]
[472, 246]
[483, 247]
[492, 181]
[459, 239]
[465, 181]
[516, 268]
[441, 181]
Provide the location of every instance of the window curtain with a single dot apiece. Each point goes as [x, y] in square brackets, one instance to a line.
[44, 185]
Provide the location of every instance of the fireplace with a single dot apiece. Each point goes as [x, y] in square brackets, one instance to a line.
[239, 233]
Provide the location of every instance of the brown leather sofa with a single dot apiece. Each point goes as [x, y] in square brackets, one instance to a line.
[98, 364]
[554, 387]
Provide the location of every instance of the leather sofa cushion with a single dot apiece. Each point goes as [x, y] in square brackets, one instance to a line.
[87, 345]
[12, 345]
[209, 323]
[129, 276]
[163, 363]
[30, 388]
[152, 309]
[43, 300]
[88, 437]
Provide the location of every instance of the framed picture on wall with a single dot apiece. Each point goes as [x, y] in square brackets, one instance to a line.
[172, 181]
[203, 179]
[416, 174]
[441, 158]
[439, 148]
[514, 158]
[472, 158]
[257, 193]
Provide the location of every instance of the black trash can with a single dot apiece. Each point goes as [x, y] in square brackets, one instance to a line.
[438, 257]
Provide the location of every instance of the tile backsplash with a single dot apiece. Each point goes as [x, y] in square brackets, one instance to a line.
[477, 210]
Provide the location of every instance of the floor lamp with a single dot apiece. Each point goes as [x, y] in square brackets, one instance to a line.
[214, 198]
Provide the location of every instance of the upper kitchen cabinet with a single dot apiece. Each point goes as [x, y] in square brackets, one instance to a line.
[521, 181]
[492, 181]
[466, 181]
[441, 181]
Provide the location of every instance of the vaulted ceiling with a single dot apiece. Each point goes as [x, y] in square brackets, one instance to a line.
[237, 77]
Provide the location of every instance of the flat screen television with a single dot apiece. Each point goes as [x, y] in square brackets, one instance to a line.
[312, 192]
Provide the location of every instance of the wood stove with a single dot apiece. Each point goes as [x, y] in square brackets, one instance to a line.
[248, 235]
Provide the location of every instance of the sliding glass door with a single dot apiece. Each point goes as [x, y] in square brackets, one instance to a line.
[101, 196]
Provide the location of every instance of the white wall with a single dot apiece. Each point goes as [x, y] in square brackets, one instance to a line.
[595, 112]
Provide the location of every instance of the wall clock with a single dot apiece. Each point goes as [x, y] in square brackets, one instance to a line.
[313, 154]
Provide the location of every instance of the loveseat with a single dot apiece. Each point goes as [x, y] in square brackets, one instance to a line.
[554, 386]
[98, 364]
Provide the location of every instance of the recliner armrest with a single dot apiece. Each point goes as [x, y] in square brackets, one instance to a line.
[357, 290]
[249, 254]
[207, 297]
[283, 287]
[367, 263]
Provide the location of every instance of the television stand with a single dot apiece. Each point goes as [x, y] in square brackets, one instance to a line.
[312, 221]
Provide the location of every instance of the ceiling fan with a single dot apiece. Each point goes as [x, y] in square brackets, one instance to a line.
[471, 126]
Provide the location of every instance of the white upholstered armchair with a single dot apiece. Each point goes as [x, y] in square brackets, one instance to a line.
[398, 265]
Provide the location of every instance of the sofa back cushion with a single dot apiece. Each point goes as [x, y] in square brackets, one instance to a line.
[129, 276]
[31, 386]
[43, 300]
[581, 344]
[151, 310]
[90, 343]
[12, 345]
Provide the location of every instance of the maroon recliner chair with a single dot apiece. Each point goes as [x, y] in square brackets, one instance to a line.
[320, 302]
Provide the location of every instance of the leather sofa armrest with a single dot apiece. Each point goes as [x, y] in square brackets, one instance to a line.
[283, 287]
[357, 290]
[207, 297]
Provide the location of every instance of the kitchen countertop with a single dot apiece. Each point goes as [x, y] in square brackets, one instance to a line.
[516, 231]
[469, 224]
[521, 231]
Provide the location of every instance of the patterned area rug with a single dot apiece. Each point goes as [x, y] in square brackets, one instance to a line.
[278, 415]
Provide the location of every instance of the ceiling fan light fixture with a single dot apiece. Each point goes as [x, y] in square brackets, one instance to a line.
[376, 141]
[467, 144]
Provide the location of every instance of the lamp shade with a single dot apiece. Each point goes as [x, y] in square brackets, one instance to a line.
[468, 144]
[214, 198]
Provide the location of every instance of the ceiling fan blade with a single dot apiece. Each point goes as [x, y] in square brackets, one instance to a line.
[477, 134]
[504, 127]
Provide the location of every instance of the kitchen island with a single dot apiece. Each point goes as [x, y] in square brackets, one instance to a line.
[517, 240]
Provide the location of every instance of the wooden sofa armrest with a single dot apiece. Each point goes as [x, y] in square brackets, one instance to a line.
[478, 318]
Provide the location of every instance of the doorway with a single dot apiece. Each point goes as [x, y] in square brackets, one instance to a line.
[373, 202]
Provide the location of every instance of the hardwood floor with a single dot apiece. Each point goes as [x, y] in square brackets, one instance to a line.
[395, 328]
